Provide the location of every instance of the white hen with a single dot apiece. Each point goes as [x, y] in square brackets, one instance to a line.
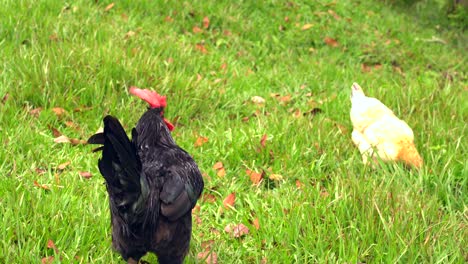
[378, 133]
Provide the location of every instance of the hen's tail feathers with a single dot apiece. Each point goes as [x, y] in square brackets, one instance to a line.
[121, 168]
[410, 155]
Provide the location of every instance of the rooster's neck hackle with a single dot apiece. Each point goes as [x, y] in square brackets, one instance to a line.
[152, 129]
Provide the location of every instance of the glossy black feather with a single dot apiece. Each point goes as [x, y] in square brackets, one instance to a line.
[153, 185]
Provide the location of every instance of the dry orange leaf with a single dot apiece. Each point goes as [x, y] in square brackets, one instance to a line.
[237, 231]
[85, 174]
[297, 113]
[129, 34]
[70, 124]
[200, 141]
[208, 197]
[229, 201]
[35, 112]
[331, 42]
[201, 48]
[42, 186]
[51, 244]
[206, 22]
[207, 244]
[221, 172]
[255, 177]
[47, 260]
[299, 184]
[63, 165]
[62, 139]
[218, 165]
[40, 171]
[263, 140]
[368, 68]
[210, 257]
[197, 30]
[285, 99]
[256, 223]
[109, 7]
[307, 26]
[276, 177]
[5, 98]
[55, 132]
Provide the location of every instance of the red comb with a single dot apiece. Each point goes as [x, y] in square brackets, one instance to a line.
[152, 98]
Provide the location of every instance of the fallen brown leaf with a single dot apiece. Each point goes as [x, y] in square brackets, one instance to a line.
[62, 139]
[299, 184]
[297, 113]
[55, 132]
[324, 194]
[258, 100]
[335, 15]
[369, 68]
[47, 260]
[82, 108]
[275, 177]
[255, 177]
[263, 140]
[51, 244]
[285, 99]
[85, 174]
[42, 186]
[208, 198]
[129, 34]
[5, 98]
[331, 42]
[62, 166]
[201, 48]
[256, 223]
[206, 22]
[210, 257]
[200, 141]
[218, 165]
[237, 231]
[221, 172]
[40, 171]
[197, 30]
[70, 124]
[229, 201]
[207, 244]
[35, 112]
[307, 26]
[109, 7]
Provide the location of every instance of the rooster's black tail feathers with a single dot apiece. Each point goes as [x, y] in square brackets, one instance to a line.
[121, 168]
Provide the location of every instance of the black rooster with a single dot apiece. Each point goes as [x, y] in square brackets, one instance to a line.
[152, 183]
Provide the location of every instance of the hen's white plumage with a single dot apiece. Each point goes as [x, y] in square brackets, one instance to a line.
[378, 133]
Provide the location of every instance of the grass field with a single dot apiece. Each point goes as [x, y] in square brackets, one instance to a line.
[64, 67]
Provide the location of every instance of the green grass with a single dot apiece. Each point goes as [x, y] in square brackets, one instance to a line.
[77, 56]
